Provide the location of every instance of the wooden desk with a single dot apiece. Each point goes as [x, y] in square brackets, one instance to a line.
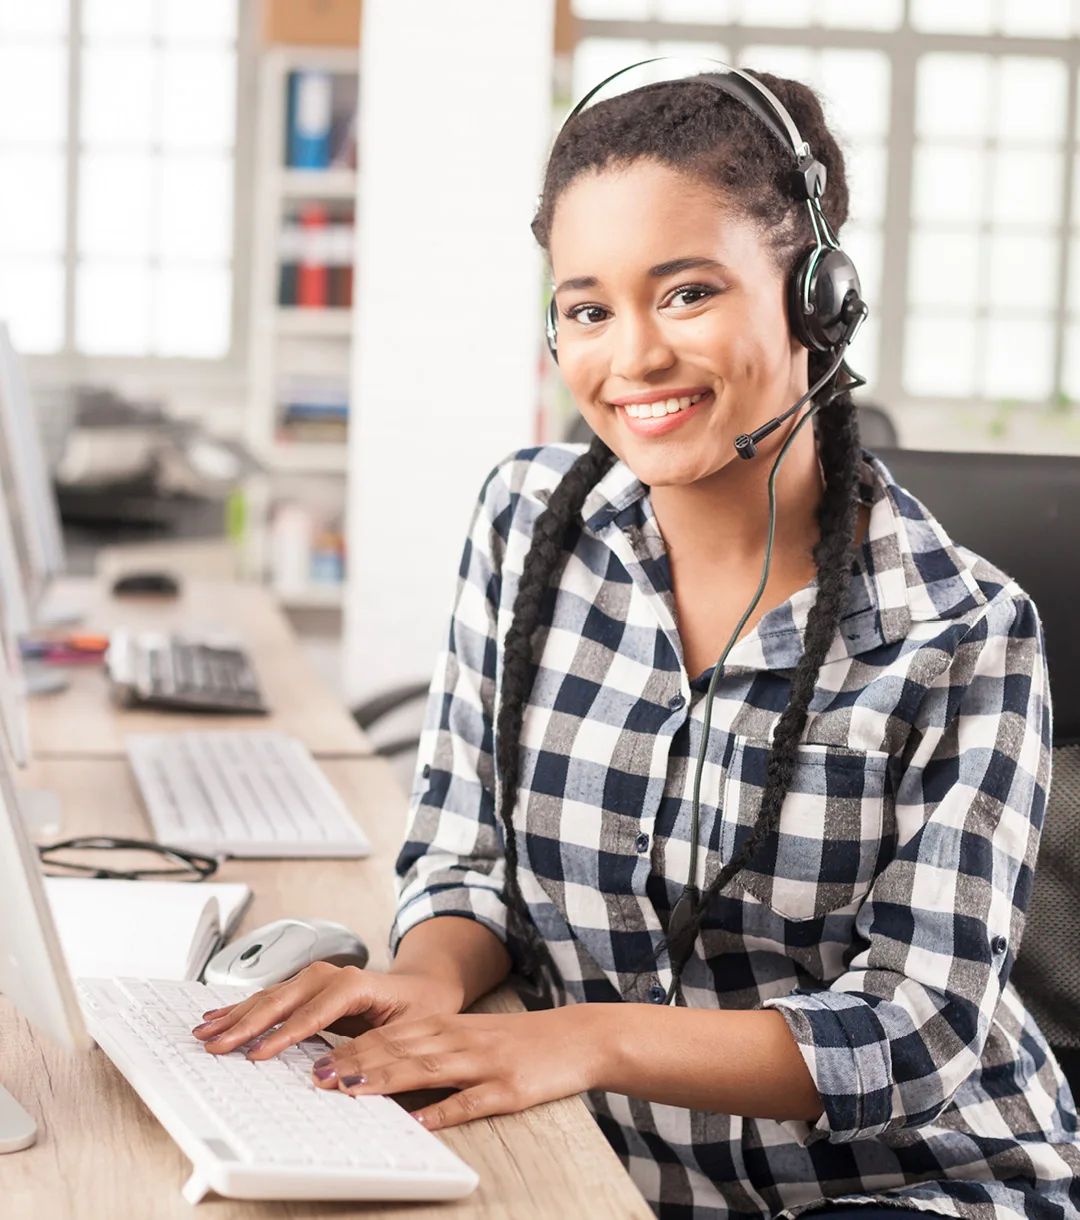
[83, 722]
[102, 1156]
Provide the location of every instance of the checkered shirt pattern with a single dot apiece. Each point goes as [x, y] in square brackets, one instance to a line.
[881, 919]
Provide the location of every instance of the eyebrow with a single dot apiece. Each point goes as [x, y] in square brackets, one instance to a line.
[661, 271]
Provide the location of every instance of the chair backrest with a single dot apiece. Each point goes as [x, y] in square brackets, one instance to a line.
[876, 427]
[1022, 512]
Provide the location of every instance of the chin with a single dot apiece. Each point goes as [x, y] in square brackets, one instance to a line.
[656, 467]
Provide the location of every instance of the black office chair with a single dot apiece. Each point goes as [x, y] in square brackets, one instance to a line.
[1022, 512]
[369, 713]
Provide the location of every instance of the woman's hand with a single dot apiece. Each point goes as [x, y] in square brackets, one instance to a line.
[500, 1064]
[317, 997]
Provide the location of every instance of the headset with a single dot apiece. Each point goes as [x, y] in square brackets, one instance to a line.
[825, 310]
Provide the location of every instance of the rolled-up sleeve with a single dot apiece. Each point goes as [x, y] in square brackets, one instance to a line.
[890, 1042]
[452, 861]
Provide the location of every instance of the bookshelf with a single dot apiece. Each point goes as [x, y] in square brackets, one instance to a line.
[301, 322]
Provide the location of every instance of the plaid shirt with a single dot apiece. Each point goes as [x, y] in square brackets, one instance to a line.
[881, 920]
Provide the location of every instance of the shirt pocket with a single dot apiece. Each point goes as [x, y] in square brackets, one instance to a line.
[828, 845]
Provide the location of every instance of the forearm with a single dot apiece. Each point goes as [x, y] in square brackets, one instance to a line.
[461, 954]
[729, 1062]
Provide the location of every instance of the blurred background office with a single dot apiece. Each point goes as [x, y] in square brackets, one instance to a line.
[269, 266]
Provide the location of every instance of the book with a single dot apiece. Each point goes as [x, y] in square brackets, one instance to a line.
[143, 929]
[310, 109]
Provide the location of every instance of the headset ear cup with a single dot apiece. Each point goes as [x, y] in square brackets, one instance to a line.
[832, 279]
[551, 329]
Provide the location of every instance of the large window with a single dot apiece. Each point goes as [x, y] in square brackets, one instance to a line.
[959, 125]
[117, 169]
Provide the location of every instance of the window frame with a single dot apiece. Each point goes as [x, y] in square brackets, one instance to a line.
[904, 46]
[151, 374]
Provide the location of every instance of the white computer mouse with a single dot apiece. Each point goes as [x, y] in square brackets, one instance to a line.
[277, 950]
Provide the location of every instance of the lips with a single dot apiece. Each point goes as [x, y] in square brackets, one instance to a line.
[662, 417]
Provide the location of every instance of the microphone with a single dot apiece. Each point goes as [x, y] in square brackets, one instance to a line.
[852, 313]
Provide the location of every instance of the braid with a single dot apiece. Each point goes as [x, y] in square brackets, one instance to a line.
[541, 562]
[840, 454]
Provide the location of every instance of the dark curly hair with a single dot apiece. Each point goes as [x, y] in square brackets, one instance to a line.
[707, 134]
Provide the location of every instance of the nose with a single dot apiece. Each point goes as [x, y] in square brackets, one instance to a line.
[639, 347]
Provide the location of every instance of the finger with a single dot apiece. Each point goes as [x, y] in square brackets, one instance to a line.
[264, 1010]
[433, 1070]
[481, 1101]
[316, 1012]
[227, 1016]
[216, 1014]
[366, 1056]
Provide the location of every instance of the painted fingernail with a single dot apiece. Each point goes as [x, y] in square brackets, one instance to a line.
[325, 1073]
[215, 1037]
[257, 1044]
[420, 1119]
[212, 1012]
[351, 1082]
[204, 1025]
[324, 1061]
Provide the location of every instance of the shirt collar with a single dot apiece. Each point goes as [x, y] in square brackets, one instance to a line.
[908, 570]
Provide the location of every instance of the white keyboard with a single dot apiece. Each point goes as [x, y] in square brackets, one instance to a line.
[241, 793]
[260, 1130]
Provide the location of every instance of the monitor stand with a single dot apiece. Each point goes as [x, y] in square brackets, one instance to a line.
[17, 1129]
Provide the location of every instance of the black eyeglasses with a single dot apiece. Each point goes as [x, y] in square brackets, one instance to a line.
[188, 865]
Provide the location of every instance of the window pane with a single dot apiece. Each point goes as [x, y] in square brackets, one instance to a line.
[943, 269]
[1023, 271]
[596, 58]
[32, 301]
[198, 98]
[43, 18]
[953, 16]
[1018, 359]
[1027, 187]
[195, 209]
[33, 94]
[1048, 18]
[116, 206]
[776, 12]
[198, 20]
[797, 63]
[118, 101]
[1073, 284]
[616, 10]
[856, 89]
[939, 356]
[948, 184]
[861, 14]
[113, 304]
[709, 12]
[192, 315]
[953, 95]
[866, 175]
[1031, 100]
[1071, 372]
[694, 50]
[32, 202]
[118, 19]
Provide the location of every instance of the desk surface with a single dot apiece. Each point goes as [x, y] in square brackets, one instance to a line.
[102, 1155]
[82, 721]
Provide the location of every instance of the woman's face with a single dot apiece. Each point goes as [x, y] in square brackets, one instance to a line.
[670, 302]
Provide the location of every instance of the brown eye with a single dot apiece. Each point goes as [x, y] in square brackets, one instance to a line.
[588, 315]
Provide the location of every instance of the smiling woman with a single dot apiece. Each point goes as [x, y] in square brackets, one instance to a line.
[781, 975]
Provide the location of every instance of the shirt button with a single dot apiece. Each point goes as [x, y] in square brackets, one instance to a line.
[999, 944]
[676, 703]
[657, 995]
[642, 843]
[426, 771]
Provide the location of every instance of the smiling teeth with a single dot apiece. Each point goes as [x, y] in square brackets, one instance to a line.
[654, 410]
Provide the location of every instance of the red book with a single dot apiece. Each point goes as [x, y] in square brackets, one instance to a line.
[312, 277]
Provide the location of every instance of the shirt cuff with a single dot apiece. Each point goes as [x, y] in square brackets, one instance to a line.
[467, 902]
[846, 1051]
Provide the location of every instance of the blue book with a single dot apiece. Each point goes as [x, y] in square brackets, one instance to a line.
[311, 112]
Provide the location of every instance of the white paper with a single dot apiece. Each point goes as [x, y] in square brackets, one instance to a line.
[141, 929]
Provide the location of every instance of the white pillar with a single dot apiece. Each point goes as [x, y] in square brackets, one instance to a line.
[455, 107]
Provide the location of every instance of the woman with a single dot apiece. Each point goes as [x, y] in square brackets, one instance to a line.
[844, 1029]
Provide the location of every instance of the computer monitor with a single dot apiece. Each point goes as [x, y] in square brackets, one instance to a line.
[28, 487]
[33, 972]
